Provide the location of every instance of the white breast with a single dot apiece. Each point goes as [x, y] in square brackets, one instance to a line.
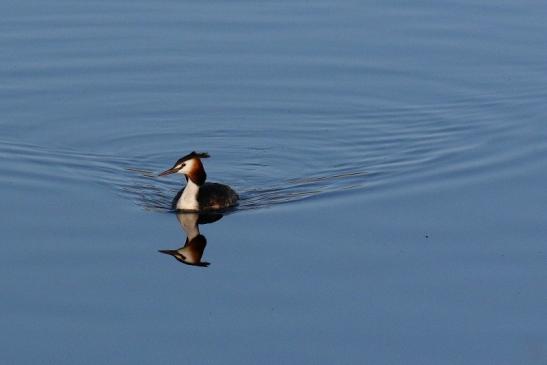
[189, 198]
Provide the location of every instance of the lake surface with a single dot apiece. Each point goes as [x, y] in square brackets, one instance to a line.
[391, 158]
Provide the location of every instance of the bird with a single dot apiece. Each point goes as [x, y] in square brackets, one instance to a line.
[198, 195]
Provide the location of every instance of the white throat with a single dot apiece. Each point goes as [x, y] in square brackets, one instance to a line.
[189, 198]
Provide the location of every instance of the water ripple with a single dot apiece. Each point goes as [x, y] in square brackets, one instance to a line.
[388, 149]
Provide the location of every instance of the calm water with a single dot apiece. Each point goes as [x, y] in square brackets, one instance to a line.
[391, 159]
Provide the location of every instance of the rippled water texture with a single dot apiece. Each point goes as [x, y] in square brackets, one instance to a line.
[390, 158]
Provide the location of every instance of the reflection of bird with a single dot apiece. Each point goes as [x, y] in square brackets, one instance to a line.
[198, 195]
[193, 248]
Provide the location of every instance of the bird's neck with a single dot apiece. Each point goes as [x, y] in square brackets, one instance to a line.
[189, 223]
[196, 174]
[189, 197]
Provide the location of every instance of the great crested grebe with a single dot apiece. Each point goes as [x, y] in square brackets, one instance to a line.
[198, 195]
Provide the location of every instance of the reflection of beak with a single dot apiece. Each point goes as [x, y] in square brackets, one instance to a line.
[169, 252]
[170, 171]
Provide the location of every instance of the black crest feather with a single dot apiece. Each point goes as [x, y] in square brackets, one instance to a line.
[200, 154]
[192, 155]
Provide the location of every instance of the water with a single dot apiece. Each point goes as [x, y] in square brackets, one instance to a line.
[391, 159]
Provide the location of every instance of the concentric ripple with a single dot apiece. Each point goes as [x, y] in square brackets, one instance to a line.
[357, 153]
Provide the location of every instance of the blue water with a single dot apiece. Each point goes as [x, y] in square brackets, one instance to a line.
[391, 158]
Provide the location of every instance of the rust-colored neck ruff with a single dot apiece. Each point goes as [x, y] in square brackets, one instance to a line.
[197, 174]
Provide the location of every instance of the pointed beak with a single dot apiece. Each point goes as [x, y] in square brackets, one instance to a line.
[170, 171]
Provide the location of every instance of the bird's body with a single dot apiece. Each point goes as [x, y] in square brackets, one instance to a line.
[210, 196]
[198, 195]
